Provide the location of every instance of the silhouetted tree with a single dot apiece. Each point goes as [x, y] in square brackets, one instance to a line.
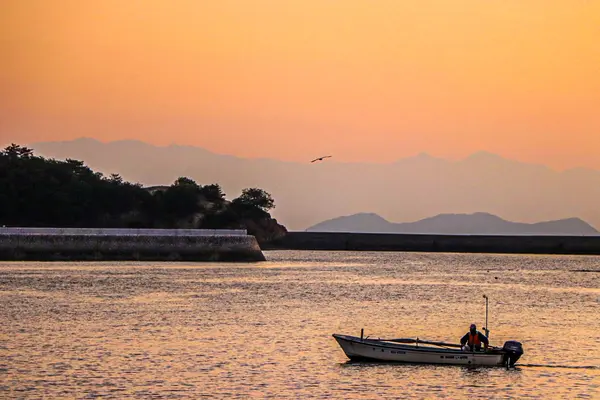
[180, 200]
[257, 198]
[116, 178]
[44, 192]
[35, 191]
[187, 182]
[16, 151]
[213, 193]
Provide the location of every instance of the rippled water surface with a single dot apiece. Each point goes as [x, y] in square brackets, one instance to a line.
[162, 330]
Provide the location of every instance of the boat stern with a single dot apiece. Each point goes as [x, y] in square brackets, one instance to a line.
[513, 350]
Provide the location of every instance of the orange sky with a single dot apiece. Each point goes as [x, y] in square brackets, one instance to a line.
[364, 80]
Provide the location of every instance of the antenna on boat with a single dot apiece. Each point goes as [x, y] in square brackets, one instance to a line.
[487, 331]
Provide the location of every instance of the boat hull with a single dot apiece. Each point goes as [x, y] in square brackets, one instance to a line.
[359, 349]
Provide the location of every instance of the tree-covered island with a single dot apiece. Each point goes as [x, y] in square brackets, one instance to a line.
[41, 192]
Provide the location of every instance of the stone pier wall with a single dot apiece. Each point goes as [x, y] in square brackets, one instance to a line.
[50, 244]
[589, 245]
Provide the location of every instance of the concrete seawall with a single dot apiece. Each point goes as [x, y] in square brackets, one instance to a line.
[438, 243]
[50, 244]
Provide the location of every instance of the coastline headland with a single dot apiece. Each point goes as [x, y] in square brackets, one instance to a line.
[541, 244]
[82, 244]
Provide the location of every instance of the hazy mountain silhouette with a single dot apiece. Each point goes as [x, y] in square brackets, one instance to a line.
[473, 224]
[410, 189]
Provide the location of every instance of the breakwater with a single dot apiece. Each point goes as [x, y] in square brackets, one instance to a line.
[79, 244]
[589, 245]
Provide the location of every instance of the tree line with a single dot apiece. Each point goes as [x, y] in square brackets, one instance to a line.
[42, 192]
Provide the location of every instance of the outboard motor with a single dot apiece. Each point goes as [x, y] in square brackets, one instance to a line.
[514, 350]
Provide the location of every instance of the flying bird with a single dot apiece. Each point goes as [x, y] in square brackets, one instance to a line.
[320, 159]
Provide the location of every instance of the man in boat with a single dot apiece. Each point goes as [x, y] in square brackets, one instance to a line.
[473, 339]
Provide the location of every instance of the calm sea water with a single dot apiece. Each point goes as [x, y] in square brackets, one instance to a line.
[160, 330]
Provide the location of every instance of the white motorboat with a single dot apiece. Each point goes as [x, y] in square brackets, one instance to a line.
[426, 352]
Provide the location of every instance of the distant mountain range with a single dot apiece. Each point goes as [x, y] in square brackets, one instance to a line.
[408, 190]
[466, 224]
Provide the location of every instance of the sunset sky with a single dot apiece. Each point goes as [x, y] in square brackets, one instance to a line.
[364, 80]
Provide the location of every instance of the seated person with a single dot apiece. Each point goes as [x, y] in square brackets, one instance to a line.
[473, 339]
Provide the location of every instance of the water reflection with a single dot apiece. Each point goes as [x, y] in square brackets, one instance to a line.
[166, 330]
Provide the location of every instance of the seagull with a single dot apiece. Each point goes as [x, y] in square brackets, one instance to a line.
[320, 158]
